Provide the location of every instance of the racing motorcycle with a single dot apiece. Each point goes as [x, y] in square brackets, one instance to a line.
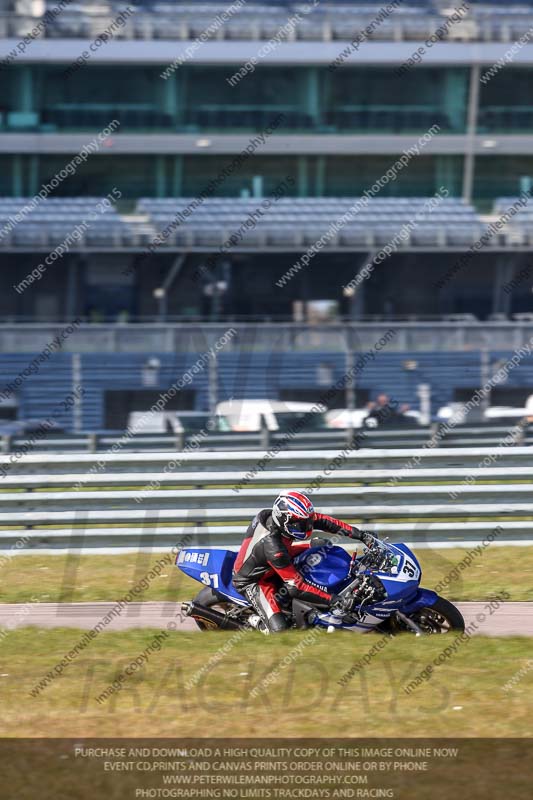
[385, 579]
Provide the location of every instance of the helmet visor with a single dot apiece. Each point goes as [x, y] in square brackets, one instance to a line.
[300, 526]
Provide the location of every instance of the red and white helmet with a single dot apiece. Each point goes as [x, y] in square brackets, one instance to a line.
[294, 514]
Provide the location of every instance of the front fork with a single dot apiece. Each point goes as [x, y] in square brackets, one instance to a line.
[409, 623]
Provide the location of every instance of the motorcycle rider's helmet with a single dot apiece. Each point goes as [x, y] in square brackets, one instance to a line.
[293, 514]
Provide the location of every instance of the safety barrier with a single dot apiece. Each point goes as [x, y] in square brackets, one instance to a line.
[137, 500]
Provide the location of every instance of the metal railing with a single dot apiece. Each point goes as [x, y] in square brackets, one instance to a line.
[355, 438]
[457, 334]
[185, 26]
[126, 500]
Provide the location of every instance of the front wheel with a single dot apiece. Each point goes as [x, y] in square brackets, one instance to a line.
[441, 617]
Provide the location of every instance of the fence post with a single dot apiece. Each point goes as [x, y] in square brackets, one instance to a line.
[212, 387]
[264, 436]
[77, 408]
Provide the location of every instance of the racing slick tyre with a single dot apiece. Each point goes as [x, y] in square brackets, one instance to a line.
[442, 617]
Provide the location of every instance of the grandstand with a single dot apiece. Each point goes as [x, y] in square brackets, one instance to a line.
[217, 187]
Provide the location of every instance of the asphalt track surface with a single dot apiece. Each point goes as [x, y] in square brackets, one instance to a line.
[507, 619]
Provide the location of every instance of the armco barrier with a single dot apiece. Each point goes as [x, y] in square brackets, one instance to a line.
[87, 501]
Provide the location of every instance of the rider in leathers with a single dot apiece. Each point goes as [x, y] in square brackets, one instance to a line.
[264, 571]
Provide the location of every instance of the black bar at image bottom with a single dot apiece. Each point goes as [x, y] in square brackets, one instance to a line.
[429, 769]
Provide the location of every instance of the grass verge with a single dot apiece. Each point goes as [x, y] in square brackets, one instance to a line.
[174, 694]
[73, 579]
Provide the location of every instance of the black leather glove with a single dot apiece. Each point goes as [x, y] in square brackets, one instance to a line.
[368, 538]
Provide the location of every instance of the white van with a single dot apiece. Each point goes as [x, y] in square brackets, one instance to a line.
[276, 415]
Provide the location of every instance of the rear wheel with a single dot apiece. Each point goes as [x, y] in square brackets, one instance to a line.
[441, 617]
[208, 598]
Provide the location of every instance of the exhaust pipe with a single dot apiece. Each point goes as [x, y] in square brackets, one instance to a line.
[210, 617]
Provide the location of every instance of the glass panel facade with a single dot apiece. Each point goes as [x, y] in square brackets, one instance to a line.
[377, 100]
[197, 98]
[134, 176]
[506, 101]
[345, 176]
[187, 176]
[502, 176]
[265, 173]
